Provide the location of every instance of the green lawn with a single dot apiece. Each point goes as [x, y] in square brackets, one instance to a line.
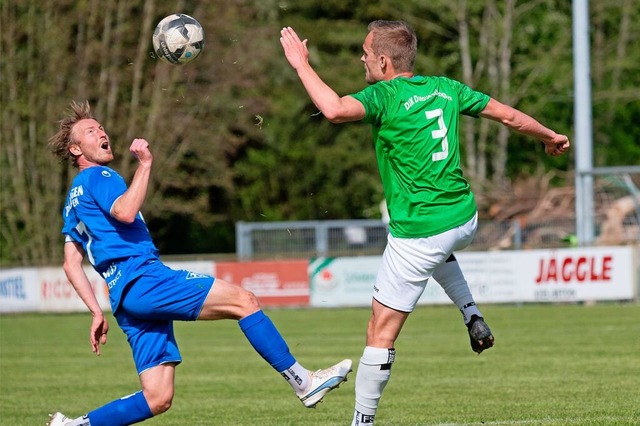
[552, 365]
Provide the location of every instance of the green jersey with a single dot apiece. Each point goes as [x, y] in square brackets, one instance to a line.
[416, 123]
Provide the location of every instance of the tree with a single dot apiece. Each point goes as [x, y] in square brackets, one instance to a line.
[194, 117]
[234, 135]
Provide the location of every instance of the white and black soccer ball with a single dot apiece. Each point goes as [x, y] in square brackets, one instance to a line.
[178, 39]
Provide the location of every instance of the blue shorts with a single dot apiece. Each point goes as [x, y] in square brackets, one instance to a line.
[151, 303]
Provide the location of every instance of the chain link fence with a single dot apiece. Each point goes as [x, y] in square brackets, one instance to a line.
[303, 239]
[551, 224]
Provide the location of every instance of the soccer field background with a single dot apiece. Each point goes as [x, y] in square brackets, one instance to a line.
[552, 365]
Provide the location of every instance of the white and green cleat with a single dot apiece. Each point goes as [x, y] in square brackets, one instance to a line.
[323, 381]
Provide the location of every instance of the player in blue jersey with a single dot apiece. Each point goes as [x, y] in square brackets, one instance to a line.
[102, 221]
[432, 211]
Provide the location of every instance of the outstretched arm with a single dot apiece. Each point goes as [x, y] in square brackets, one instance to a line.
[129, 204]
[73, 256]
[554, 143]
[335, 108]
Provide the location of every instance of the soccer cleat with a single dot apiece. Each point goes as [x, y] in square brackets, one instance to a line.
[323, 381]
[479, 334]
[57, 419]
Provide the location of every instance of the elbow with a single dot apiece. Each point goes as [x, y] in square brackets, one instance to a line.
[122, 211]
[343, 110]
[331, 115]
[126, 219]
[334, 116]
[67, 267]
[515, 120]
[71, 265]
[123, 217]
[510, 119]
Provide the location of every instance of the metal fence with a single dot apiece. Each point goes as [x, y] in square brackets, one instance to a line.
[303, 239]
[256, 240]
[552, 224]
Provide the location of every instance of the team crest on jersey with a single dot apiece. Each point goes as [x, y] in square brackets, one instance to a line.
[106, 173]
[194, 275]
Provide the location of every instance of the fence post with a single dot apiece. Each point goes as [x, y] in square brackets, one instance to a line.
[517, 234]
[322, 238]
[243, 241]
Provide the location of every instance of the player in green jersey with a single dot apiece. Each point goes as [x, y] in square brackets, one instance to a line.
[415, 121]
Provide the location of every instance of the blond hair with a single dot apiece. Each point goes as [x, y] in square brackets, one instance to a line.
[63, 139]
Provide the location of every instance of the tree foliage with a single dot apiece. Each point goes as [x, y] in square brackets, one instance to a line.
[235, 136]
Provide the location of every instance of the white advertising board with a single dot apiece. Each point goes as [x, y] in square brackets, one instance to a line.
[561, 275]
[48, 289]
[570, 275]
[342, 281]
[18, 292]
[45, 290]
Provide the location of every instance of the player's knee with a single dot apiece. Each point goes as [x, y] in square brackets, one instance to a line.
[381, 335]
[160, 402]
[249, 303]
[229, 301]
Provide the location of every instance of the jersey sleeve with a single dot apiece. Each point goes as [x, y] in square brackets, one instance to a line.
[373, 98]
[471, 101]
[106, 187]
[70, 233]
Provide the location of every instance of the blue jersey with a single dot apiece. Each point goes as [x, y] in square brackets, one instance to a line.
[116, 250]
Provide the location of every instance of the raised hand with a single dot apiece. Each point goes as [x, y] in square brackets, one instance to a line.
[295, 50]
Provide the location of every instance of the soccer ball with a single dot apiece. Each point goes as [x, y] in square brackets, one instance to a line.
[178, 39]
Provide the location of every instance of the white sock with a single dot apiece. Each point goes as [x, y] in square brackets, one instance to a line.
[297, 376]
[469, 310]
[360, 419]
[450, 277]
[373, 374]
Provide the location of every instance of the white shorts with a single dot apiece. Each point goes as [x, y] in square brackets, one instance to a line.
[408, 263]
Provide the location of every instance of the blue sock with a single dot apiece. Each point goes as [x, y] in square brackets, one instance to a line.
[121, 412]
[267, 341]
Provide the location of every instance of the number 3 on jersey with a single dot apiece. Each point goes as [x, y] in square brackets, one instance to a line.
[441, 133]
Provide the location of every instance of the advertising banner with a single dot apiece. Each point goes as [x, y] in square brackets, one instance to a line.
[348, 281]
[561, 275]
[19, 290]
[58, 295]
[587, 274]
[493, 277]
[46, 290]
[554, 275]
[277, 283]
[342, 281]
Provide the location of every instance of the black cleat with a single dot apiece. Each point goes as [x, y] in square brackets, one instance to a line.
[479, 334]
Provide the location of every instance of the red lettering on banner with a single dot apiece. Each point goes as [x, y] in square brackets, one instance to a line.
[566, 269]
[552, 270]
[56, 289]
[62, 289]
[580, 269]
[581, 274]
[606, 267]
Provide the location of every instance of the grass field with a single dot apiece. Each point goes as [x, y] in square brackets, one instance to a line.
[552, 365]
